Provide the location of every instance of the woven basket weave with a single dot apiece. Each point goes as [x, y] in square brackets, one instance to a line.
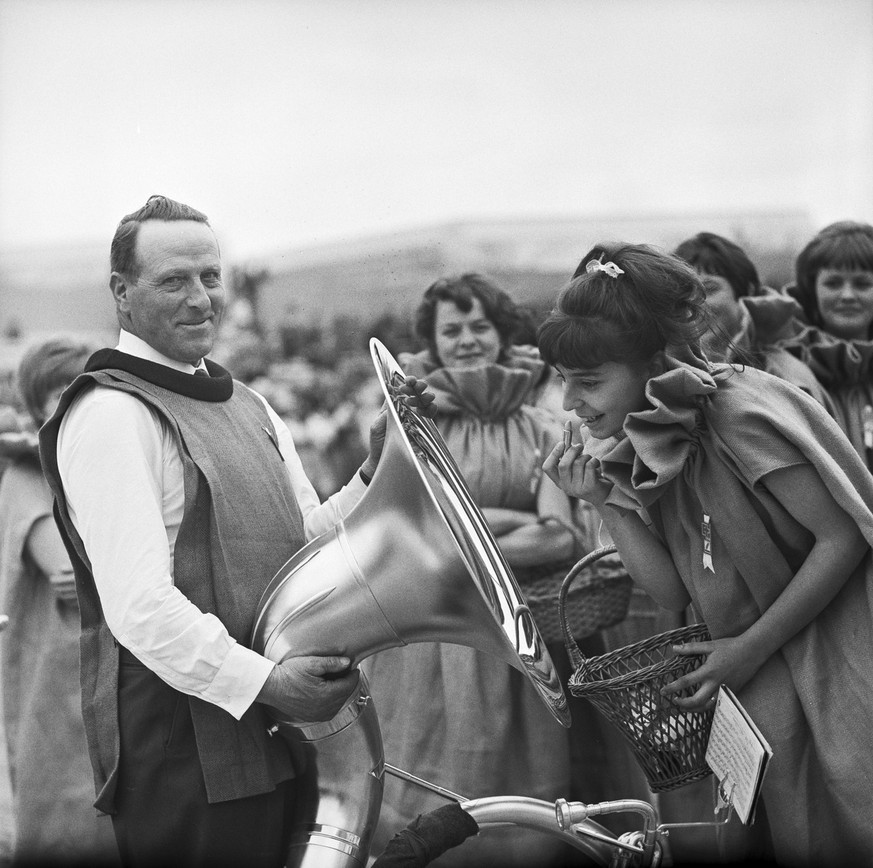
[625, 684]
[599, 599]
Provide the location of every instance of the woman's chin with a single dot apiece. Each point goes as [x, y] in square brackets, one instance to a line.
[469, 363]
[600, 431]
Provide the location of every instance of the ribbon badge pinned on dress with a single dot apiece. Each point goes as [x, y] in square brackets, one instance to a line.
[706, 531]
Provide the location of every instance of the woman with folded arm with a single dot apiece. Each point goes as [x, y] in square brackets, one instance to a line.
[450, 714]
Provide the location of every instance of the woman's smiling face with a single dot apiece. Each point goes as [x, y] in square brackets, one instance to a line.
[465, 340]
[845, 301]
[603, 396]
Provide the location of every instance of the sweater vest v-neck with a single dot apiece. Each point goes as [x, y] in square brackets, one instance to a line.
[241, 523]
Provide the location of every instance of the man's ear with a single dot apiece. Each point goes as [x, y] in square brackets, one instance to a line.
[119, 285]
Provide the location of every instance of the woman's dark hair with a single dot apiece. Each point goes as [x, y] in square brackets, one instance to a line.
[50, 365]
[122, 253]
[846, 244]
[712, 254]
[656, 302]
[462, 291]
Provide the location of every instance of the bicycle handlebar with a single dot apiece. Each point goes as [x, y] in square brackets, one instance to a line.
[592, 839]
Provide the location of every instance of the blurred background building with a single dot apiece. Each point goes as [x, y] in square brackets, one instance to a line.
[530, 258]
[45, 288]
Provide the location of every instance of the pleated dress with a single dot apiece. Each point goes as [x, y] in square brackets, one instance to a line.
[450, 714]
[709, 438]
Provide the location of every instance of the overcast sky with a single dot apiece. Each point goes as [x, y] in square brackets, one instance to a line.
[292, 122]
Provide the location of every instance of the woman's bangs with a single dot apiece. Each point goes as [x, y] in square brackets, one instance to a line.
[577, 342]
[849, 253]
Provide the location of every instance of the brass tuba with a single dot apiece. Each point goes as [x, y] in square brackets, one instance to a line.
[414, 561]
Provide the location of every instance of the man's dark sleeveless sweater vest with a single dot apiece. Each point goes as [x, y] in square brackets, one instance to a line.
[241, 523]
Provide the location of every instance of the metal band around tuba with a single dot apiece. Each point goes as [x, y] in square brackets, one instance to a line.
[414, 561]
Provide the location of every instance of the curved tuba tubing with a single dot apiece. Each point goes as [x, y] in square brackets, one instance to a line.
[414, 561]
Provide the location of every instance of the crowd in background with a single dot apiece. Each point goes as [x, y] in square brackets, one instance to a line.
[318, 375]
[320, 380]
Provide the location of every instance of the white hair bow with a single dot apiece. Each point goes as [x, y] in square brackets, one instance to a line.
[599, 265]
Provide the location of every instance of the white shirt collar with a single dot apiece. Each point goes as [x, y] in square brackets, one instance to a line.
[132, 345]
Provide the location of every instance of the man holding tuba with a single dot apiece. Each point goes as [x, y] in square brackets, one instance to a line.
[180, 494]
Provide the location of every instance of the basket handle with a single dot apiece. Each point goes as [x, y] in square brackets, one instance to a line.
[576, 656]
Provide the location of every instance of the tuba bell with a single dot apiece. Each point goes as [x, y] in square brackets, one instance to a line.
[414, 561]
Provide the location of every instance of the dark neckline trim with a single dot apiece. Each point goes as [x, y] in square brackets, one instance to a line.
[217, 387]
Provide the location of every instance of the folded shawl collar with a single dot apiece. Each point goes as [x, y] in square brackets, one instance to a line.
[657, 442]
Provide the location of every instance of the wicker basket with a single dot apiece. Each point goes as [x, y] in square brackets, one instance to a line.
[599, 600]
[625, 684]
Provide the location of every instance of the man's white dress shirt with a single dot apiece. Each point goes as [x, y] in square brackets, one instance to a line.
[123, 479]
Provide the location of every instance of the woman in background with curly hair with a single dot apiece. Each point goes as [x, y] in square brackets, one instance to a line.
[52, 783]
[450, 714]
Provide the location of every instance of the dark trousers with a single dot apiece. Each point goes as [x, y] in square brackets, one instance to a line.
[163, 816]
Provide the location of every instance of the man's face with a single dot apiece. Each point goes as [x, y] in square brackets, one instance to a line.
[176, 301]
